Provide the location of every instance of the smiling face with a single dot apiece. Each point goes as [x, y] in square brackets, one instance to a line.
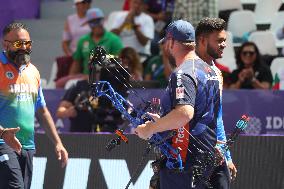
[216, 43]
[248, 55]
[18, 45]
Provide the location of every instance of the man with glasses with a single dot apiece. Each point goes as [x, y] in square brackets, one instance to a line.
[21, 98]
[98, 37]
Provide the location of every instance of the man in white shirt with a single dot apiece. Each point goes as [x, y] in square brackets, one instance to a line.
[135, 28]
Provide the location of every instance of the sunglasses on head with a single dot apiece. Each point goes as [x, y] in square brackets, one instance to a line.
[19, 44]
[248, 53]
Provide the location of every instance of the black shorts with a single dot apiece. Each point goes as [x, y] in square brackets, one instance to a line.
[15, 169]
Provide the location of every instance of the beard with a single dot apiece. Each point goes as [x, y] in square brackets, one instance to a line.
[19, 57]
[212, 52]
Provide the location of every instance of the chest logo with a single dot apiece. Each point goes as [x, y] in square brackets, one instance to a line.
[9, 75]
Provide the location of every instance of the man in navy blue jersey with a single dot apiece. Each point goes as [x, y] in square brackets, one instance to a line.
[210, 42]
[193, 103]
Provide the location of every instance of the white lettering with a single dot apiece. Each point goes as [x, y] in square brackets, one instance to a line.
[11, 89]
[38, 172]
[277, 123]
[268, 122]
[17, 88]
[77, 171]
[24, 88]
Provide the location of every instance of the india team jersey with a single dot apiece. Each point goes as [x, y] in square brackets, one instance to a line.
[20, 96]
[194, 83]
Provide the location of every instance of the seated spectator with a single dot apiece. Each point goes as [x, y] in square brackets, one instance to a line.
[87, 115]
[76, 106]
[98, 37]
[74, 28]
[130, 59]
[161, 11]
[135, 28]
[158, 68]
[251, 73]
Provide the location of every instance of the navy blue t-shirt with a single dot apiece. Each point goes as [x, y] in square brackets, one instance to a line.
[194, 83]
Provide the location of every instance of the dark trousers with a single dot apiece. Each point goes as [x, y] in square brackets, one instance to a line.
[172, 179]
[15, 169]
[220, 178]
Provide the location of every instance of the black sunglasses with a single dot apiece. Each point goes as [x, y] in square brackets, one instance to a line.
[248, 53]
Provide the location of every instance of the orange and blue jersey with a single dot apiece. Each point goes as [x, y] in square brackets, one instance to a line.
[20, 96]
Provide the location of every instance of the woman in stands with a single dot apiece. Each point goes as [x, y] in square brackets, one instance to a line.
[251, 73]
[74, 28]
[131, 60]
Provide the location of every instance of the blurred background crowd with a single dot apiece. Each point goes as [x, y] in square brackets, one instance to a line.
[64, 32]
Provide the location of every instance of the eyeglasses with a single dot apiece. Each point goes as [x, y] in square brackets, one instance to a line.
[19, 44]
[248, 53]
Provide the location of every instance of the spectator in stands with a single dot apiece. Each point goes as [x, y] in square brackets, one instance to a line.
[135, 28]
[158, 67]
[98, 37]
[251, 73]
[74, 28]
[126, 5]
[161, 11]
[76, 106]
[85, 113]
[194, 10]
[131, 60]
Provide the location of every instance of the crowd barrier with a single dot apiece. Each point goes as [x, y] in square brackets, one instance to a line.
[265, 107]
[259, 160]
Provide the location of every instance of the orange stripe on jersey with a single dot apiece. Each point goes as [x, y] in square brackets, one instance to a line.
[13, 82]
[181, 141]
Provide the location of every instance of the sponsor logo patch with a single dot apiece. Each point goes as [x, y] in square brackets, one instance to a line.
[179, 92]
[9, 75]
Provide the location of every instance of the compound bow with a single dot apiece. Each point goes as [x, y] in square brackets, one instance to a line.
[137, 116]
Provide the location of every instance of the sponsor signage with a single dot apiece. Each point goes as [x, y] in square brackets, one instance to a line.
[265, 107]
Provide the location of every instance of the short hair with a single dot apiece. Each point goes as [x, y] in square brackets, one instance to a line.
[14, 26]
[209, 25]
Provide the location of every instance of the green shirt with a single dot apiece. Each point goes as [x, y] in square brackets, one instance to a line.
[155, 68]
[109, 41]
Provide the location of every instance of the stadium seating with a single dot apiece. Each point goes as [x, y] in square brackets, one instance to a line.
[276, 23]
[265, 41]
[265, 10]
[241, 22]
[228, 58]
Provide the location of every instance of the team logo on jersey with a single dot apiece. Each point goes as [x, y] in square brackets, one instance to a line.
[179, 92]
[9, 75]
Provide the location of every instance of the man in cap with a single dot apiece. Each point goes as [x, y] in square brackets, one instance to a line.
[190, 105]
[98, 37]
